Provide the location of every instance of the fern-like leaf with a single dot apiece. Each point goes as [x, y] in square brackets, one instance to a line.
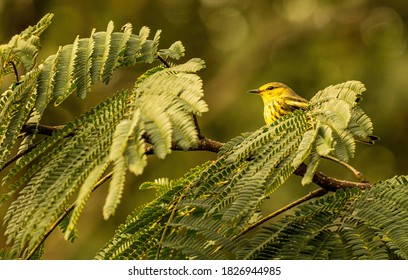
[352, 224]
[84, 194]
[139, 237]
[61, 172]
[165, 108]
[202, 210]
[112, 132]
[115, 188]
[18, 104]
[23, 48]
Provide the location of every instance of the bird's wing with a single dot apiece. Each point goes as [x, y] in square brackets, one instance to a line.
[295, 101]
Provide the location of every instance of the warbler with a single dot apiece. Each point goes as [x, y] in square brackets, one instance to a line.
[280, 100]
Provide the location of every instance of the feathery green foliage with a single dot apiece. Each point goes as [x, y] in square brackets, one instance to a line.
[61, 172]
[215, 201]
[18, 101]
[205, 214]
[23, 48]
[337, 121]
[75, 67]
[351, 224]
[215, 205]
[157, 113]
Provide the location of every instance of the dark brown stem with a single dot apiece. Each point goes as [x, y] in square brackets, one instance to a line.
[200, 136]
[358, 174]
[206, 144]
[41, 129]
[15, 70]
[163, 61]
[16, 157]
[329, 183]
[203, 144]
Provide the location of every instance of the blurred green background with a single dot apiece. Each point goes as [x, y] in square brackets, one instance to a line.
[307, 44]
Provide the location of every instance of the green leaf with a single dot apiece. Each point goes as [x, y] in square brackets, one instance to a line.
[351, 224]
[83, 63]
[360, 124]
[345, 145]
[63, 85]
[50, 184]
[336, 113]
[311, 169]
[175, 51]
[157, 124]
[305, 147]
[135, 153]
[324, 141]
[84, 194]
[115, 188]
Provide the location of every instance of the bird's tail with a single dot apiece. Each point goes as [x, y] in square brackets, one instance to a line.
[370, 139]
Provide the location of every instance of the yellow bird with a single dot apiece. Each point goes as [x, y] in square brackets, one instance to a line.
[279, 100]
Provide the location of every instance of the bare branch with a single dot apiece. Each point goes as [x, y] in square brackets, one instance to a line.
[360, 176]
[329, 183]
[200, 136]
[162, 60]
[41, 129]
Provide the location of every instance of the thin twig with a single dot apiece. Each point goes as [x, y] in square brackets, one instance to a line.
[15, 70]
[200, 135]
[329, 183]
[163, 61]
[360, 176]
[311, 195]
[41, 129]
[16, 157]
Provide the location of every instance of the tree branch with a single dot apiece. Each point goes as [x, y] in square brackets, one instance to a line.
[203, 144]
[41, 129]
[326, 183]
[329, 183]
[206, 144]
[358, 174]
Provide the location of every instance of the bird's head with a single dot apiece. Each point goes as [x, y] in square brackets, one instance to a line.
[272, 91]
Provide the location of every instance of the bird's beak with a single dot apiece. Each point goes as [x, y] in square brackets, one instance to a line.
[254, 91]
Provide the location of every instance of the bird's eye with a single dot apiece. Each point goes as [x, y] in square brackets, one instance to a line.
[271, 87]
